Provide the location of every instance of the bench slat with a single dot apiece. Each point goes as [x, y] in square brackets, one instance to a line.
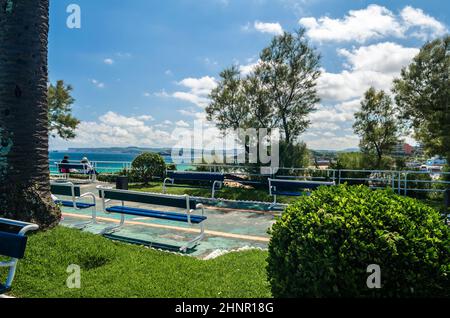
[290, 193]
[80, 205]
[291, 184]
[72, 166]
[196, 176]
[12, 245]
[196, 219]
[171, 201]
[66, 190]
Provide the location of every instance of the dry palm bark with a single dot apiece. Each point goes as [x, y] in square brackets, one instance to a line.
[24, 170]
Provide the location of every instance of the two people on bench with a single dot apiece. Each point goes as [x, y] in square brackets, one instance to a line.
[88, 167]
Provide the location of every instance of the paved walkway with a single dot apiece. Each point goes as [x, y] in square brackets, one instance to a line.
[226, 228]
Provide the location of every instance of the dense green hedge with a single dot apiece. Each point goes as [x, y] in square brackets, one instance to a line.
[323, 244]
[147, 166]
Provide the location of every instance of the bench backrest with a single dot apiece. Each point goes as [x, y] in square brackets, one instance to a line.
[12, 245]
[72, 166]
[146, 198]
[64, 189]
[297, 184]
[197, 176]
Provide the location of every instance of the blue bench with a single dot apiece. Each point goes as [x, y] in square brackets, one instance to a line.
[215, 180]
[13, 245]
[294, 188]
[186, 204]
[80, 167]
[68, 189]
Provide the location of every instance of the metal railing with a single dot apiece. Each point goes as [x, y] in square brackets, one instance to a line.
[404, 182]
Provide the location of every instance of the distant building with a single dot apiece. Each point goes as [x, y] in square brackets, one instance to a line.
[402, 150]
[322, 163]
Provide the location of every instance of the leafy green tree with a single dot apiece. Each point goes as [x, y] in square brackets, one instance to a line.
[279, 93]
[377, 124]
[60, 119]
[296, 155]
[287, 73]
[422, 94]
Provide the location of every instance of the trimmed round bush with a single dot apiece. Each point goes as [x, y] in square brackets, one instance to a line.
[323, 244]
[146, 166]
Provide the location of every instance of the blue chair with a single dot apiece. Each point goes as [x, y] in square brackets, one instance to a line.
[13, 245]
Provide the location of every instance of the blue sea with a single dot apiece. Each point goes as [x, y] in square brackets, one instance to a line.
[77, 156]
[106, 162]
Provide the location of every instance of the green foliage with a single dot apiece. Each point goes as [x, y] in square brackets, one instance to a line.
[447, 171]
[323, 244]
[60, 101]
[362, 161]
[279, 93]
[376, 124]
[419, 181]
[146, 166]
[422, 94]
[171, 166]
[350, 160]
[294, 155]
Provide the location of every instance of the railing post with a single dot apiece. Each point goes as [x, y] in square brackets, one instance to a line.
[447, 199]
[405, 192]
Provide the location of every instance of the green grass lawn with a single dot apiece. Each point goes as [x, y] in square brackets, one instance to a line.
[229, 193]
[114, 269]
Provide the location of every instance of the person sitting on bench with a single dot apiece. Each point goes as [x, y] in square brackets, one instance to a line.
[89, 168]
[65, 160]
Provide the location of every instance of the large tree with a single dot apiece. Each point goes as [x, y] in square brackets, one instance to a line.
[61, 120]
[280, 92]
[422, 94]
[24, 169]
[376, 124]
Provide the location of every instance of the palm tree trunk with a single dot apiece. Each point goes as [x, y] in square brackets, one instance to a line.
[24, 170]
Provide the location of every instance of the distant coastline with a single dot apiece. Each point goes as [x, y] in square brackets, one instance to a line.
[162, 151]
[119, 150]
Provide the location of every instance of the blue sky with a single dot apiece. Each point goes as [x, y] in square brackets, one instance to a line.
[141, 69]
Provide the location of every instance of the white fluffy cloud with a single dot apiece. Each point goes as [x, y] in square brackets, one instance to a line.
[359, 25]
[373, 22]
[331, 126]
[198, 90]
[332, 142]
[426, 24]
[340, 113]
[267, 27]
[384, 57]
[182, 123]
[112, 129]
[375, 65]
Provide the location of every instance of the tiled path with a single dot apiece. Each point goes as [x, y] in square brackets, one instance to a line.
[226, 228]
